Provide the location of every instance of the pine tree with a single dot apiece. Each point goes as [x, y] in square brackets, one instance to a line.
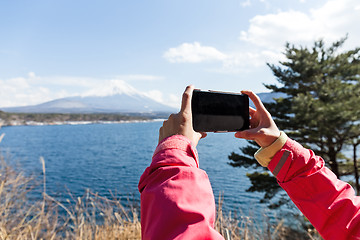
[321, 104]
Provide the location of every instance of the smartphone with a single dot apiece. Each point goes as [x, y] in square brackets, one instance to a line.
[219, 111]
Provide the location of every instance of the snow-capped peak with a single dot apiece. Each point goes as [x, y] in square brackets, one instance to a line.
[112, 87]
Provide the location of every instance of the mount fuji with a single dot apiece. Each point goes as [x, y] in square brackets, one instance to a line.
[117, 97]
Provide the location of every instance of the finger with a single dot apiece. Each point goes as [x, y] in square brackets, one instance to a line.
[171, 117]
[246, 134]
[165, 122]
[254, 122]
[197, 137]
[252, 111]
[203, 134]
[160, 134]
[186, 99]
[255, 99]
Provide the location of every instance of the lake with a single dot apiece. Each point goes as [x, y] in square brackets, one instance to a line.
[111, 157]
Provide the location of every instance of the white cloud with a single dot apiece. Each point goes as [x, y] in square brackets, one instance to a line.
[31, 75]
[230, 62]
[193, 53]
[265, 38]
[245, 61]
[22, 91]
[155, 95]
[67, 81]
[273, 30]
[267, 34]
[233, 62]
[174, 101]
[330, 22]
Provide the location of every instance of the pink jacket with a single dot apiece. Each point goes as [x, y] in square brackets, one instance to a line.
[330, 204]
[177, 201]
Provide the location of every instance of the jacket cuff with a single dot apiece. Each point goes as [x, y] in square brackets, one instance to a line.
[265, 155]
[178, 142]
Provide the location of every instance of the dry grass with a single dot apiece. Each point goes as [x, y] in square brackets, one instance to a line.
[94, 217]
[235, 227]
[88, 217]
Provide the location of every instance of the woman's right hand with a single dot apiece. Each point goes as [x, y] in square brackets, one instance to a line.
[263, 129]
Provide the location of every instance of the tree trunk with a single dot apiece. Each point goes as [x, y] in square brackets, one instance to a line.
[333, 163]
[357, 186]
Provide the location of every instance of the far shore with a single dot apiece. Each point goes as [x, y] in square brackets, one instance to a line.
[56, 123]
[41, 119]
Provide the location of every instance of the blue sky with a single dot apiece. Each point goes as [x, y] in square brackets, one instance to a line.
[51, 49]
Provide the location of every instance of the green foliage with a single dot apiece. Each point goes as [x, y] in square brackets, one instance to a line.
[247, 159]
[320, 109]
[263, 182]
[323, 92]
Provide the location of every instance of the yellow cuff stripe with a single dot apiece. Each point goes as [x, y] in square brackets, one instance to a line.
[265, 155]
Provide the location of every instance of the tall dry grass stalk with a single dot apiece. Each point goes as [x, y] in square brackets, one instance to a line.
[88, 217]
[94, 217]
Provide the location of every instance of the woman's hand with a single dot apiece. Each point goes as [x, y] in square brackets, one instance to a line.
[263, 129]
[181, 123]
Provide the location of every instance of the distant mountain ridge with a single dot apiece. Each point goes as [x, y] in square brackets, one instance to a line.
[119, 102]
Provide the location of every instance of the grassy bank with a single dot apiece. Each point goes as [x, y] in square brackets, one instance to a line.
[94, 217]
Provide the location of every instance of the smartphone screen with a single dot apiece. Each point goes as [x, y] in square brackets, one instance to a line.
[219, 111]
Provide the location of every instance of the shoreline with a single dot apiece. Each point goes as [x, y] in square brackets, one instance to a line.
[59, 123]
[42, 119]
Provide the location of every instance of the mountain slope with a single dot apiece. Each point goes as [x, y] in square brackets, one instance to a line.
[118, 103]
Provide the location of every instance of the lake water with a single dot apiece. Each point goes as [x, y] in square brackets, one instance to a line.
[111, 157]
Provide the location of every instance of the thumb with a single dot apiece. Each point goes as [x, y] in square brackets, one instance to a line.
[247, 134]
[196, 138]
[186, 99]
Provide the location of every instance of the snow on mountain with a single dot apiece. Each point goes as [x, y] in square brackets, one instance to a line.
[113, 87]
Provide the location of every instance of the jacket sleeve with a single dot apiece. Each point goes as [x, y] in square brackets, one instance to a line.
[177, 201]
[329, 203]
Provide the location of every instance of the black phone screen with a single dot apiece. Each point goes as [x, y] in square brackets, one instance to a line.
[219, 111]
